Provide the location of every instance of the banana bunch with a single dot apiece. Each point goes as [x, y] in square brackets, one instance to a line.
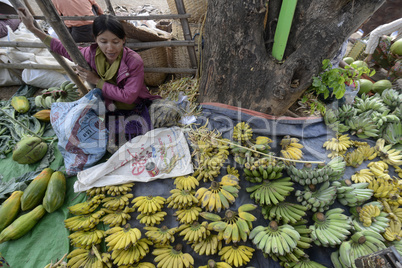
[362, 176]
[284, 211]
[180, 199]
[232, 171]
[374, 103]
[378, 168]
[209, 167]
[382, 187]
[209, 246]
[95, 191]
[380, 119]
[330, 229]
[85, 239]
[368, 213]
[271, 192]
[188, 214]
[339, 144]
[333, 122]
[67, 92]
[148, 204]
[140, 265]
[83, 222]
[361, 244]
[352, 195]
[117, 202]
[391, 98]
[132, 254]
[275, 239]
[188, 183]
[378, 223]
[160, 236]
[393, 231]
[263, 169]
[151, 219]
[305, 263]
[307, 175]
[169, 256]
[194, 232]
[242, 132]
[165, 113]
[235, 226]
[87, 206]
[393, 210]
[291, 148]
[122, 237]
[392, 134]
[368, 152]
[122, 189]
[398, 170]
[364, 128]
[354, 158]
[220, 195]
[214, 264]
[388, 154]
[117, 217]
[236, 255]
[87, 258]
[317, 199]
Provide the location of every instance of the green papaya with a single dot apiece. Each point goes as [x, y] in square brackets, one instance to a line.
[34, 193]
[20, 104]
[29, 150]
[55, 192]
[10, 209]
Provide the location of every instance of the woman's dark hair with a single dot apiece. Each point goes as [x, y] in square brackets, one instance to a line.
[104, 23]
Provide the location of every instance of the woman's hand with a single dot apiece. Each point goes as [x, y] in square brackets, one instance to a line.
[87, 75]
[26, 18]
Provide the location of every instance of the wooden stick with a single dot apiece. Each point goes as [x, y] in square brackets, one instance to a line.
[110, 7]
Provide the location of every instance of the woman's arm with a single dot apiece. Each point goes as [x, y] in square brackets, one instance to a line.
[27, 18]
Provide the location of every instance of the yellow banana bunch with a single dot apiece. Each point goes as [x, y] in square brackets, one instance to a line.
[368, 152]
[168, 256]
[160, 236]
[132, 254]
[117, 202]
[339, 144]
[242, 132]
[393, 210]
[398, 170]
[209, 246]
[388, 154]
[188, 214]
[214, 264]
[83, 222]
[151, 219]
[87, 206]
[95, 191]
[117, 217]
[362, 176]
[121, 189]
[122, 237]
[291, 148]
[219, 195]
[378, 168]
[148, 204]
[85, 239]
[357, 143]
[209, 167]
[180, 199]
[140, 265]
[235, 226]
[394, 231]
[367, 213]
[381, 187]
[186, 183]
[194, 232]
[232, 171]
[236, 255]
[354, 158]
[86, 258]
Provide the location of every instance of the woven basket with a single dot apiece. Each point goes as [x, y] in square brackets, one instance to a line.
[154, 58]
[196, 8]
[179, 55]
[144, 34]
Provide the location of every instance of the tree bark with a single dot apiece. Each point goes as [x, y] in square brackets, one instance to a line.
[238, 66]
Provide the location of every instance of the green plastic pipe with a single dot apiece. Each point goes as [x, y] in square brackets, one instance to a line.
[283, 28]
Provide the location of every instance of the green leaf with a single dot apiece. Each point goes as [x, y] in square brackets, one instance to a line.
[16, 184]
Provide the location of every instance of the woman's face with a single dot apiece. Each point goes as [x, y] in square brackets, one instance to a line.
[110, 45]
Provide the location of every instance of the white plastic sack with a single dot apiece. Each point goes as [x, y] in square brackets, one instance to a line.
[43, 78]
[81, 133]
[160, 146]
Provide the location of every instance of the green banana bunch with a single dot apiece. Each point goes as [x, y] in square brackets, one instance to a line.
[271, 192]
[66, 92]
[352, 195]
[317, 199]
[284, 211]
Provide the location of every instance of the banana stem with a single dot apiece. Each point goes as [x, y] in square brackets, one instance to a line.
[255, 151]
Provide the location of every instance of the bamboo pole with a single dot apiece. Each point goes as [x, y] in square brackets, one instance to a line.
[187, 33]
[110, 7]
[70, 72]
[28, 5]
[53, 18]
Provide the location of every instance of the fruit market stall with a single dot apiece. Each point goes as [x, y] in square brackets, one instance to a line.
[246, 204]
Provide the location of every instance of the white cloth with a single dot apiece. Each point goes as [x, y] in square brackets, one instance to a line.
[376, 34]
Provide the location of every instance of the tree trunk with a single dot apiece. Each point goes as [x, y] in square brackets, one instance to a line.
[238, 67]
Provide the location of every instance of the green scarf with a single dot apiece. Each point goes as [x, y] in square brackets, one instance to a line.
[108, 73]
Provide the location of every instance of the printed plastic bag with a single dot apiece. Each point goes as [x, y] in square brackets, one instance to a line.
[81, 132]
[158, 154]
